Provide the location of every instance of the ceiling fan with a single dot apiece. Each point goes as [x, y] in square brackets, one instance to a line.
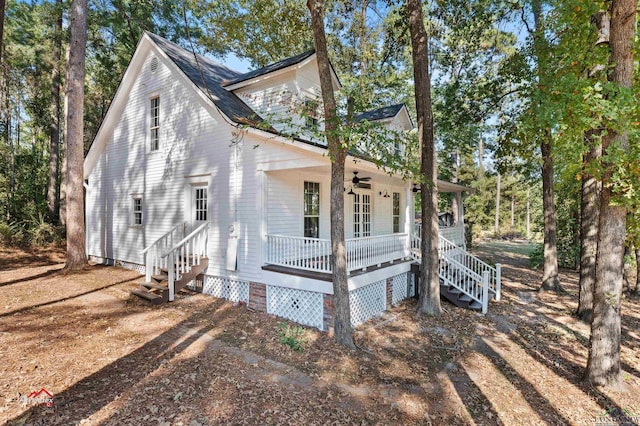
[356, 180]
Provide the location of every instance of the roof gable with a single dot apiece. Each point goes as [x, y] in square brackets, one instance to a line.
[209, 76]
[285, 63]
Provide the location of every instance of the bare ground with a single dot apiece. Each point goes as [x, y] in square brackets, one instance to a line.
[110, 359]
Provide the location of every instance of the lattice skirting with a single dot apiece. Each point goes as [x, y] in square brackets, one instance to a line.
[304, 307]
[133, 266]
[367, 302]
[399, 287]
[223, 288]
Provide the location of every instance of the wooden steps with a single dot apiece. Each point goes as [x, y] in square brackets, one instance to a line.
[157, 291]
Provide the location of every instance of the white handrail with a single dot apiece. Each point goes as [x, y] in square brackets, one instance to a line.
[153, 259]
[167, 234]
[186, 254]
[464, 271]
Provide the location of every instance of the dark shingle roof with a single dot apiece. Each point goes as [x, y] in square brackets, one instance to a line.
[214, 76]
[270, 68]
[380, 113]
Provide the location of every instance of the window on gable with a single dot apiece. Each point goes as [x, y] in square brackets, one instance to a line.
[137, 211]
[312, 209]
[396, 212]
[155, 123]
[310, 114]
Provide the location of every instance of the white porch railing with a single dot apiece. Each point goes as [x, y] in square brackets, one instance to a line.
[464, 271]
[186, 254]
[370, 251]
[314, 254]
[154, 260]
[309, 254]
[451, 233]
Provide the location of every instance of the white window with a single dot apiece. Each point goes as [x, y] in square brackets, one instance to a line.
[137, 210]
[361, 215]
[155, 123]
[312, 209]
[310, 114]
[396, 212]
[200, 198]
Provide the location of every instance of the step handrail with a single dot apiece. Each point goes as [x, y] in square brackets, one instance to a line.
[185, 239]
[469, 265]
[153, 260]
[165, 235]
[470, 282]
[185, 254]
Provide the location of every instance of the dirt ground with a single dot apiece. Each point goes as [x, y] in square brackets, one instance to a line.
[110, 359]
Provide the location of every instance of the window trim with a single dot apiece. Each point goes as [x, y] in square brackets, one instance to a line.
[137, 212]
[304, 207]
[393, 212]
[200, 209]
[154, 124]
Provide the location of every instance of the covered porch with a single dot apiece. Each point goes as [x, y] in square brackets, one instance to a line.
[379, 219]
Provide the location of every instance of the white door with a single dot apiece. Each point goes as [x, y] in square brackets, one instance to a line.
[199, 206]
[361, 214]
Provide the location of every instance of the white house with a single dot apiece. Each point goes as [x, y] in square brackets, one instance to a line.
[186, 180]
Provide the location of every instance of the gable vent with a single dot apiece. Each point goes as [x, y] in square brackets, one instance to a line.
[153, 66]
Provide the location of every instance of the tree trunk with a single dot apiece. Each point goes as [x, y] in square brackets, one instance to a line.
[528, 214]
[636, 287]
[429, 301]
[481, 156]
[76, 256]
[550, 279]
[603, 365]
[550, 273]
[589, 216]
[456, 201]
[53, 193]
[343, 332]
[2, 7]
[496, 223]
[513, 212]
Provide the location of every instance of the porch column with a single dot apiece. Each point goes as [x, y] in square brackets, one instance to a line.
[408, 212]
[262, 218]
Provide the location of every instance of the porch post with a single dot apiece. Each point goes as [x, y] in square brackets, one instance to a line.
[409, 213]
[461, 216]
[408, 219]
[262, 207]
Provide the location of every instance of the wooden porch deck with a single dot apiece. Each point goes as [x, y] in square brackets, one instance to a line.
[326, 276]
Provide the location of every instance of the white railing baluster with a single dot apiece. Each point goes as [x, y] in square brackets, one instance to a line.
[314, 254]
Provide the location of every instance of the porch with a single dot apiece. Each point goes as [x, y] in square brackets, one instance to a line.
[298, 255]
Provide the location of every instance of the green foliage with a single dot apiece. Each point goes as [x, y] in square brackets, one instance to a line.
[291, 336]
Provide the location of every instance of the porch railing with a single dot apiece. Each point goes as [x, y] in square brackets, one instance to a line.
[314, 254]
[452, 233]
[154, 260]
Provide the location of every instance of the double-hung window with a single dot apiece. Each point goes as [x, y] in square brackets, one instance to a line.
[155, 123]
[136, 219]
[312, 209]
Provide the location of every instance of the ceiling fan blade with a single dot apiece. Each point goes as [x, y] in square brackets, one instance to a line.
[368, 178]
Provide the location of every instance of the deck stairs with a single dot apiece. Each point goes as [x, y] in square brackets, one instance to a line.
[172, 262]
[156, 291]
[465, 280]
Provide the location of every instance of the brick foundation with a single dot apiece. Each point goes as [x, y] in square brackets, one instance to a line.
[258, 296]
[389, 292]
[327, 319]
